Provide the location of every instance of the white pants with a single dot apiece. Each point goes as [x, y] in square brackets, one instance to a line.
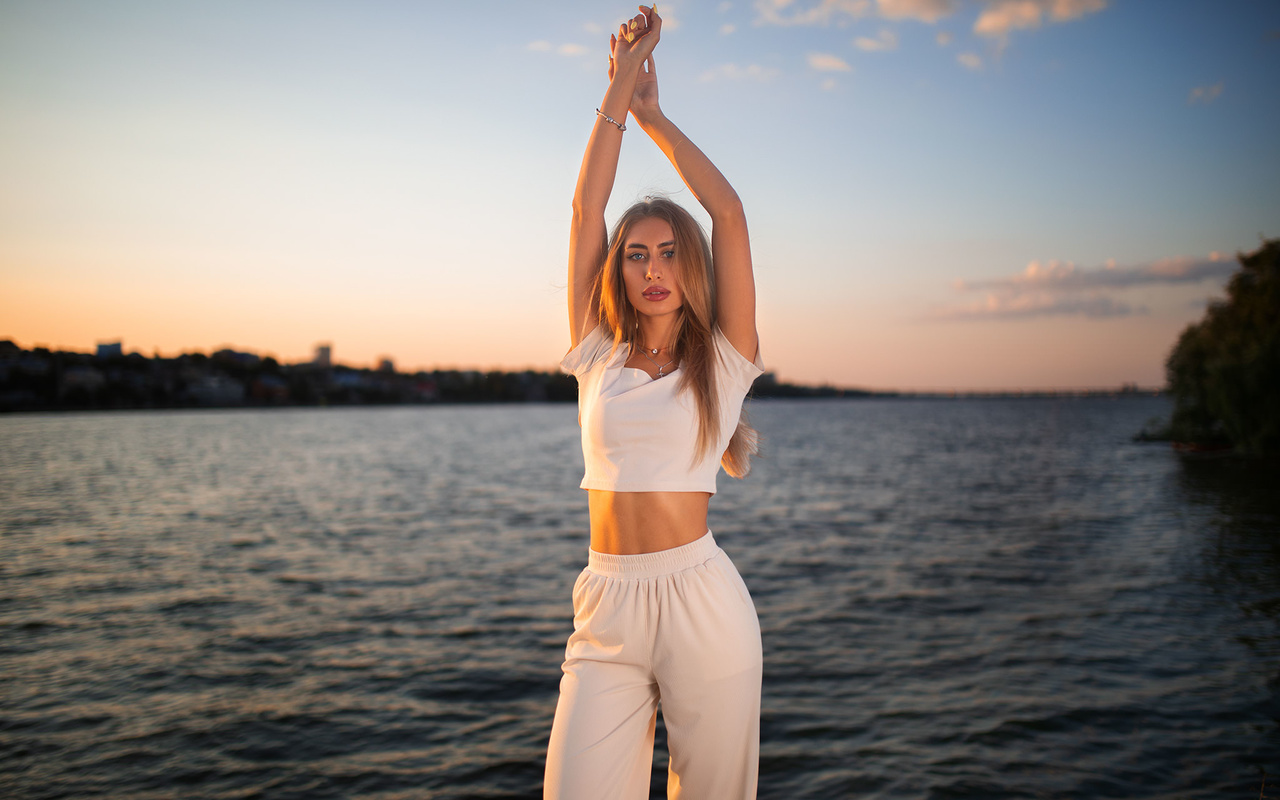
[676, 626]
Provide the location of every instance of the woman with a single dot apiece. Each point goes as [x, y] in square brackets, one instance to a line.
[664, 349]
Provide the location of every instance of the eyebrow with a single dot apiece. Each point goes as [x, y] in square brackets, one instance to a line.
[638, 246]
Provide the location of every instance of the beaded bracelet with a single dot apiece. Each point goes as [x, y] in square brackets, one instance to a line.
[608, 118]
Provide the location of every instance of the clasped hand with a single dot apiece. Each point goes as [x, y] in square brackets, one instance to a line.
[629, 49]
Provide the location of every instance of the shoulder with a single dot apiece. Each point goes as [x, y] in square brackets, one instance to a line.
[736, 366]
[589, 351]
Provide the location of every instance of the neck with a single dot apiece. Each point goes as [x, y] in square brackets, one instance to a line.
[657, 332]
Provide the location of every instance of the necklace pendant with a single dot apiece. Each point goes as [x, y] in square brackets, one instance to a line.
[645, 351]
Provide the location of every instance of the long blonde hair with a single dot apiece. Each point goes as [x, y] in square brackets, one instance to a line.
[694, 343]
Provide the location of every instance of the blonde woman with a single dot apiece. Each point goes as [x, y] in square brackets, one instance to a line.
[664, 347]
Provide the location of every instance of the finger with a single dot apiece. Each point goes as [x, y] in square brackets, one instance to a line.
[649, 22]
[641, 32]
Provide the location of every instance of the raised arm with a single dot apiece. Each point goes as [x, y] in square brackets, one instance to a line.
[628, 49]
[730, 244]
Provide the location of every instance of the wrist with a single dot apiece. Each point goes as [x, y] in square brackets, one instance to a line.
[646, 115]
[626, 68]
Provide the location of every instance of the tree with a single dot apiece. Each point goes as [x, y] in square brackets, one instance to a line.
[1224, 372]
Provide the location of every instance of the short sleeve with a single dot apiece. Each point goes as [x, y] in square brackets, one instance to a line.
[591, 349]
[740, 372]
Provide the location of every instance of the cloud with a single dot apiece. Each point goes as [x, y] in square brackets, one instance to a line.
[829, 85]
[1064, 276]
[1060, 288]
[822, 12]
[543, 46]
[825, 12]
[1065, 10]
[921, 10]
[727, 28]
[733, 72]
[886, 40]
[943, 38]
[1002, 16]
[670, 20]
[725, 6]
[1204, 94]
[1026, 306]
[825, 62]
[972, 61]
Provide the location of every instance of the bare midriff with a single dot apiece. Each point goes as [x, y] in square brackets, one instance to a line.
[626, 523]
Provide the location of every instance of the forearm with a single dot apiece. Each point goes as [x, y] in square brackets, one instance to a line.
[600, 161]
[730, 240]
[587, 234]
[707, 183]
[628, 50]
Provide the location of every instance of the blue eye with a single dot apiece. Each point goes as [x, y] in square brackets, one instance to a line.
[669, 254]
[636, 256]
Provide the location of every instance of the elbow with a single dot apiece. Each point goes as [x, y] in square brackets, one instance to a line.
[585, 212]
[583, 220]
[729, 210]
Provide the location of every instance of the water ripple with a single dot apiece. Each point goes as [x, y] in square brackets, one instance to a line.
[994, 599]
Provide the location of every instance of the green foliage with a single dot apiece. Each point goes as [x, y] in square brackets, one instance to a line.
[1224, 372]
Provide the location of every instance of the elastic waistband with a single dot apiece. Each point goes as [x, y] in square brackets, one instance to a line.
[653, 565]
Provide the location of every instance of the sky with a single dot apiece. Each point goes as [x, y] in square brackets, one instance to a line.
[942, 194]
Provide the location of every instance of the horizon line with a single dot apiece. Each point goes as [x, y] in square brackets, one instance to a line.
[1124, 387]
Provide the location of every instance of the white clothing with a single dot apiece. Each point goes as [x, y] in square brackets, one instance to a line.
[677, 626]
[640, 434]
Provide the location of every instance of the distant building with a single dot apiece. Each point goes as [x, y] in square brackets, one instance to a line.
[82, 380]
[386, 365]
[234, 357]
[349, 379]
[110, 349]
[271, 389]
[425, 391]
[216, 390]
[324, 356]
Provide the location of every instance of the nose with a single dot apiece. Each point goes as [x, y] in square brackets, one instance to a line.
[651, 272]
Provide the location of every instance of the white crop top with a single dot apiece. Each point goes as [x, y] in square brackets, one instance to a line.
[639, 434]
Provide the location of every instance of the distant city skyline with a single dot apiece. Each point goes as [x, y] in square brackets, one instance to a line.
[943, 194]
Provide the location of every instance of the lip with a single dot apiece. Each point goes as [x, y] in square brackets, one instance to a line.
[655, 293]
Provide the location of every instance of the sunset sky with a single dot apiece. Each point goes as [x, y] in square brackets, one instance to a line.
[943, 194]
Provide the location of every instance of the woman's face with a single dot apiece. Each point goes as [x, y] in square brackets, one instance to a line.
[649, 268]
